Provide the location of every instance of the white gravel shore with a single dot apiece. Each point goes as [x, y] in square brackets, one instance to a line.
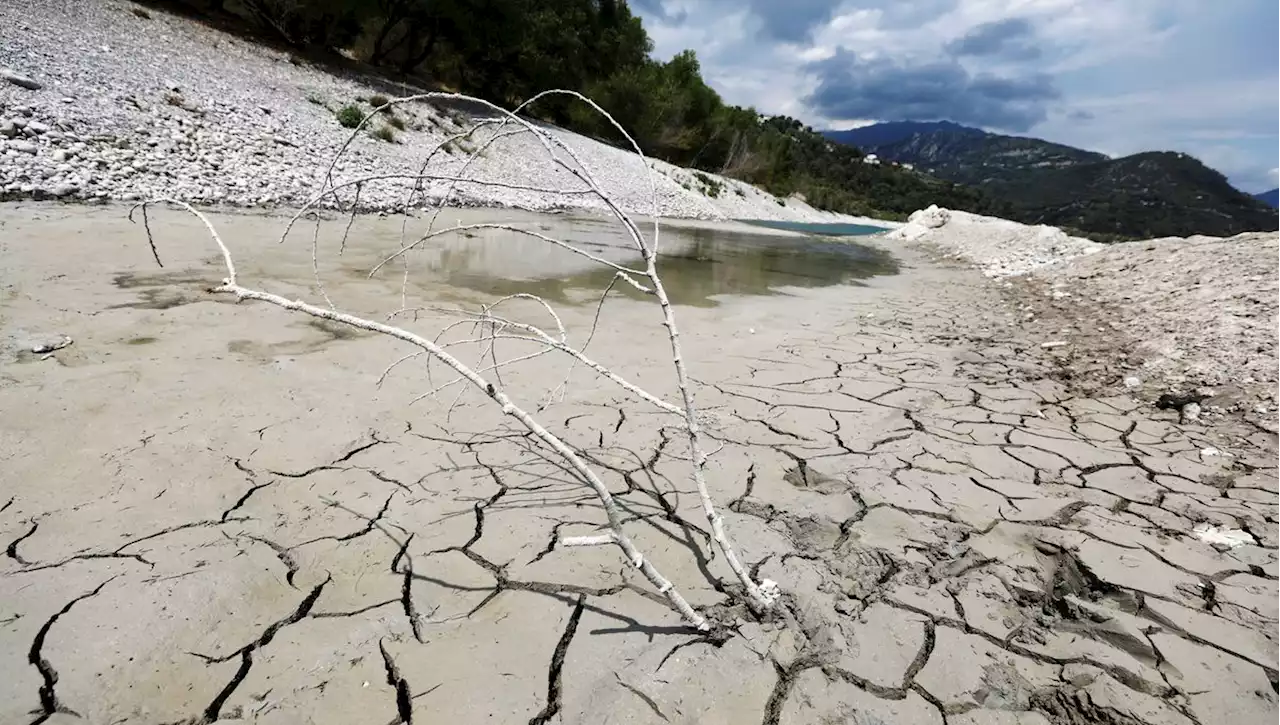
[997, 246]
[1195, 316]
[106, 103]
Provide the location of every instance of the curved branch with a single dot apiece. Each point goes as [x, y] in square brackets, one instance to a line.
[612, 512]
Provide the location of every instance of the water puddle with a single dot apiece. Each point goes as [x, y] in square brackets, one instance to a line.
[697, 264]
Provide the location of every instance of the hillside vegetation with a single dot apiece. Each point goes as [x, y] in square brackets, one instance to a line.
[508, 50]
[1152, 194]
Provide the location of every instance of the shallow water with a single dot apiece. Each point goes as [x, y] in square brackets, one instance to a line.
[697, 264]
[831, 230]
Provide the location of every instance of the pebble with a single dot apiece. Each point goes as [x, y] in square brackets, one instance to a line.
[20, 80]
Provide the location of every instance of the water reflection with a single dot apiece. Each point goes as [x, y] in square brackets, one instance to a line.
[826, 229]
[697, 264]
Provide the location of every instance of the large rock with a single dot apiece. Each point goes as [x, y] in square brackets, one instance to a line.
[65, 188]
[20, 80]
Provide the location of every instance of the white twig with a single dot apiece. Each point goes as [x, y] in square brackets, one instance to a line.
[226, 254]
[393, 365]
[597, 540]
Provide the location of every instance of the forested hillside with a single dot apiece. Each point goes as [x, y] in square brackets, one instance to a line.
[1150, 194]
[508, 50]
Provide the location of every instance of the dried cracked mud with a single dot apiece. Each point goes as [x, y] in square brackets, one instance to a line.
[212, 513]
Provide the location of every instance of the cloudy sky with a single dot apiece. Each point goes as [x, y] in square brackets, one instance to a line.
[1116, 76]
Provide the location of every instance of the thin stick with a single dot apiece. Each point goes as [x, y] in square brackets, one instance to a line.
[146, 224]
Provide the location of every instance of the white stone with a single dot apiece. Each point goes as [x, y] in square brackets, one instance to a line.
[1191, 412]
[1222, 538]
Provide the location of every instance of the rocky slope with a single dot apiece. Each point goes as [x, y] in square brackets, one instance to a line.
[103, 99]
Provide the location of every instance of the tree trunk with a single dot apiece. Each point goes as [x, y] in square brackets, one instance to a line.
[412, 63]
[379, 43]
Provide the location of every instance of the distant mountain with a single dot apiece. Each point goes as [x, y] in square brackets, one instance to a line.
[1270, 198]
[1151, 194]
[883, 134]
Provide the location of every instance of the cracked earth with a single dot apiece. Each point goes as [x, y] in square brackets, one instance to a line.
[211, 513]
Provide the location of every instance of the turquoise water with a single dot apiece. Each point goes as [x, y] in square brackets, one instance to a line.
[834, 230]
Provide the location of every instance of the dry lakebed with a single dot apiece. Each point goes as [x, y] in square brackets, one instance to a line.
[214, 511]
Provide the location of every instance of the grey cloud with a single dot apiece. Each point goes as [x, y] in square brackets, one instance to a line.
[792, 20]
[942, 90]
[1081, 115]
[1011, 39]
[795, 20]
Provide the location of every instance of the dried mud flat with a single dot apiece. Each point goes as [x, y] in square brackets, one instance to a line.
[211, 513]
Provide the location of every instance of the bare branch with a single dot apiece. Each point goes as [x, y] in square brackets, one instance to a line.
[611, 509]
[488, 327]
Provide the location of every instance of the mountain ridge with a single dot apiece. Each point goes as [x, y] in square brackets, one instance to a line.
[1149, 194]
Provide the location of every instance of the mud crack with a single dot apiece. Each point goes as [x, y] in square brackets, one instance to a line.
[214, 710]
[404, 701]
[556, 669]
[49, 702]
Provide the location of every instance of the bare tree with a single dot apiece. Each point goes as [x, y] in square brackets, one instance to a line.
[493, 326]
